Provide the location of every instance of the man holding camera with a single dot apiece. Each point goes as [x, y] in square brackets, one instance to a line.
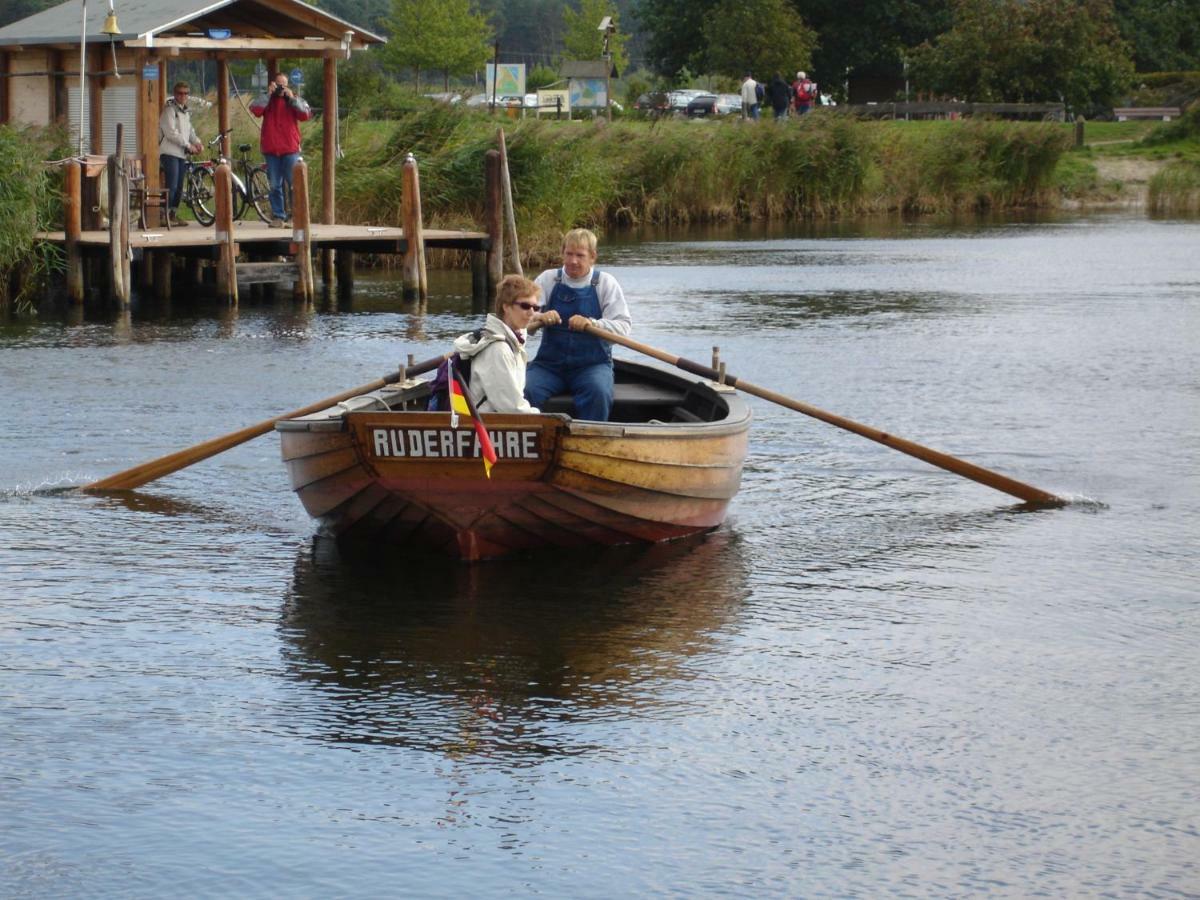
[282, 111]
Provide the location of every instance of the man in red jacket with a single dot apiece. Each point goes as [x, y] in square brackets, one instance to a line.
[281, 111]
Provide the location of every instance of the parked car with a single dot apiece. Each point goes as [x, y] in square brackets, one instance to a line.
[450, 97]
[728, 104]
[680, 99]
[702, 105]
[653, 102]
[502, 100]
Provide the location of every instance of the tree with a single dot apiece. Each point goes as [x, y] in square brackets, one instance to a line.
[761, 36]
[446, 35]
[584, 39]
[870, 38]
[1165, 37]
[1028, 51]
[371, 14]
[16, 10]
[675, 37]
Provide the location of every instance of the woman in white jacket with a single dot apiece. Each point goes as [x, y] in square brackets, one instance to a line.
[497, 355]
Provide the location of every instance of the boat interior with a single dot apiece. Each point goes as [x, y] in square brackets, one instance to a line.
[641, 394]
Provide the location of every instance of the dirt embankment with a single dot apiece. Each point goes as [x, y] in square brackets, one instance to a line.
[1128, 177]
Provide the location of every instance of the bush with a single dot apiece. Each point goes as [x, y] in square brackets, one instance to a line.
[627, 173]
[30, 201]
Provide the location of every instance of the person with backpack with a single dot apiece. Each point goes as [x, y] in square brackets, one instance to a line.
[492, 359]
[569, 360]
[806, 93]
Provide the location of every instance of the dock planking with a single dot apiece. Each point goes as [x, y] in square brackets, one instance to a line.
[200, 241]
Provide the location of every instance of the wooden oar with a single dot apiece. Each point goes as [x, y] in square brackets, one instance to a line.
[1026, 492]
[181, 459]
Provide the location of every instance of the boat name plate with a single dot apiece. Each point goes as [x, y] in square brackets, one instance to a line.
[392, 442]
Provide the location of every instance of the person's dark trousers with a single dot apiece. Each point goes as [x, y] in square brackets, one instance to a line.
[172, 168]
[279, 171]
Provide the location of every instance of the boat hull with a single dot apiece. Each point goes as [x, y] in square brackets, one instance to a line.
[409, 479]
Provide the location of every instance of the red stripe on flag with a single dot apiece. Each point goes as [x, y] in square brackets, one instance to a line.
[458, 391]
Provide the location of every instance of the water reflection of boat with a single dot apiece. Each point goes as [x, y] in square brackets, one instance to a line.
[378, 469]
[505, 659]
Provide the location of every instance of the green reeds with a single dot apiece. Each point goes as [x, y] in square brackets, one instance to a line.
[1175, 189]
[30, 199]
[630, 172]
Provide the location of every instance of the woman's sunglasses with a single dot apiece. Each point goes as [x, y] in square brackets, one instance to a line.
[528, 307]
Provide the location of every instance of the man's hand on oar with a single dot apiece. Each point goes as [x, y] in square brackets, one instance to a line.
[1022, 491]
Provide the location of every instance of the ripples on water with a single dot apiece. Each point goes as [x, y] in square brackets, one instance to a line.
[877, 678]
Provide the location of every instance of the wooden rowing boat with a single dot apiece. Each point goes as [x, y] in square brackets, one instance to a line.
[378, 468]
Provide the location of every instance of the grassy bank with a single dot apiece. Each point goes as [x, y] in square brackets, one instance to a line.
[30, 199]
[632, 172]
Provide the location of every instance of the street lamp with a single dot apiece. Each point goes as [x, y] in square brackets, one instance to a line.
[607, 26]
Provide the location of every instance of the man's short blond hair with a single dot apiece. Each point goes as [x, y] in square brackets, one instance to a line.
[580, 237]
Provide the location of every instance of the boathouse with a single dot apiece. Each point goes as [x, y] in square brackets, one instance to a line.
[123, 52]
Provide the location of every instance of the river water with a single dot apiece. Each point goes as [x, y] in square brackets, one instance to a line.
[877, 679]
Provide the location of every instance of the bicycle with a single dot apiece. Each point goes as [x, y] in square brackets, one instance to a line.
[200, 188]
[257, 191]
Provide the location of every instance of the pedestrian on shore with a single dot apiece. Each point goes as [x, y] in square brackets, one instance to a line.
[805, 93]
[781, 97]
[749, 97]
[569, 359]
[176, 139]
[282, 110]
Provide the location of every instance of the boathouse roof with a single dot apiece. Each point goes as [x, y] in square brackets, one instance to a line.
[290, 27]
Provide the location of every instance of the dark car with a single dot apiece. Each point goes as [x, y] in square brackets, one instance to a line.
[654, 102]
[702, 105]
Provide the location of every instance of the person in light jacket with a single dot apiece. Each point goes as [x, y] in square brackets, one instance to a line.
[497, 356]
[176, 139]
[282, 111]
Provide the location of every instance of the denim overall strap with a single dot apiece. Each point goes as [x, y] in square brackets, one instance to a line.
[566, 349]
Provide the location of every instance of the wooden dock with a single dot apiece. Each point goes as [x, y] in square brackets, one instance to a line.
[251, 252]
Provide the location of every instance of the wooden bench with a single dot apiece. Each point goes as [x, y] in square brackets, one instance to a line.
[1162, 113]
[636, 394]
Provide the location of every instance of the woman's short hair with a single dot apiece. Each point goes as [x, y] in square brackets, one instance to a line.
[511, 289]
[580, 237]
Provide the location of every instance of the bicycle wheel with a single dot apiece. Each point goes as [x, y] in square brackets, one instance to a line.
[240, 200]
[259, 189]
[200, 191]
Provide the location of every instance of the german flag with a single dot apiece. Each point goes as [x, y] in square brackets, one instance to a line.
[461, 404]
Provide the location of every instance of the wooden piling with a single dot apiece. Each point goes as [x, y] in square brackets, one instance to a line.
[413, 273]
[161, 262]
[1079, 124]
[302, 231]
[227, 288]
[510, 213]
[329, 144]
[344, 260]
[73, 213]
[118, 225]
[479, 281]
[493, 212]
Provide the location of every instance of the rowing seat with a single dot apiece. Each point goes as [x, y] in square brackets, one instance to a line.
[632, 402]
[142, 199]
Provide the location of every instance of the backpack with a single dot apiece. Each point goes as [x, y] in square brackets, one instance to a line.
[439, 388]
[806, 91]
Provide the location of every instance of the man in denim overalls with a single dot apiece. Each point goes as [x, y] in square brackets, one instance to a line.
[569, 360]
